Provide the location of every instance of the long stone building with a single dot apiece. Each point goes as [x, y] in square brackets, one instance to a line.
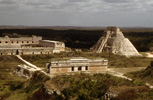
[114, 41]
[77, 65]
[7, 42]
[29, 45]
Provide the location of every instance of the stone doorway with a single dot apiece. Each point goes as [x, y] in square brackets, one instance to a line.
[79, 68]
[17, 52]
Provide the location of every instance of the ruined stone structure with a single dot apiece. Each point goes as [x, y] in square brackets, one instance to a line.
[114, 41]
[29, 45]
[77, 65]
[116, 91]
[57, 46]
[24, 71]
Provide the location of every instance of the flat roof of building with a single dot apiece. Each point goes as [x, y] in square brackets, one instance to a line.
[26, 48]
[51, 41]
[77, 59]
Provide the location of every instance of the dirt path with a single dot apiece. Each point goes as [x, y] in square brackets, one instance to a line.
[28, 63]
[31, 65]
[119, 72]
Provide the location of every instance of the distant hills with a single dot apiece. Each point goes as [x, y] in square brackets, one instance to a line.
[53, 27]
[70, 27]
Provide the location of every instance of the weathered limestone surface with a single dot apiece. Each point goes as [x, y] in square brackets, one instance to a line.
[26, 51]
[24, 71]
[29, 45]
[114, 41]
[77, 65]
[58, 46]
[7, 42]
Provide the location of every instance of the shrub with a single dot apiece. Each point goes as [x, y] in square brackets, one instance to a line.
[15, 85]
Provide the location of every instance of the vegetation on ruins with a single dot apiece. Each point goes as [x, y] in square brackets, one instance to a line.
[13, 87]
[90, 87]
[86, 87]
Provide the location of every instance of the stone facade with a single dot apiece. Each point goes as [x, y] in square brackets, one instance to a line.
[29, 45]
[25, 51]
[77, 65]
[7, 42]
[114, 41]
[56, 45]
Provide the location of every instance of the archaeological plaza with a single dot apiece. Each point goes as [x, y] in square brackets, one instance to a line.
[112, 41]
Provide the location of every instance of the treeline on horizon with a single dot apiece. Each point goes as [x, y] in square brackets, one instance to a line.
[83, 39]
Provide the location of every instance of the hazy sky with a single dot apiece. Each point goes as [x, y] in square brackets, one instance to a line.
[77, 12]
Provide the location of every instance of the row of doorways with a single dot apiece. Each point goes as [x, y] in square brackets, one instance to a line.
[16, 53]
[21, 53]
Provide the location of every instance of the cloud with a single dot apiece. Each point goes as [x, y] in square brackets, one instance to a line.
[78, 0]
[8, 2]
[74, 12]
[117, 1]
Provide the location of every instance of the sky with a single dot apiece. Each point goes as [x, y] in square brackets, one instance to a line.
[122, 13]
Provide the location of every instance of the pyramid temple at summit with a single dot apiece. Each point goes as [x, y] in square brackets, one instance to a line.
[114, 41]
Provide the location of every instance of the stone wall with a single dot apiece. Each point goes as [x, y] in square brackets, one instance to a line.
[78, 65]
[26, 51]
[7, 42]
[68, 70]
[59, 70]
[29, 45]
[56, 45]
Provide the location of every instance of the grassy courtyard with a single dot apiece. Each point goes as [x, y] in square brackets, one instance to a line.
[115, 61]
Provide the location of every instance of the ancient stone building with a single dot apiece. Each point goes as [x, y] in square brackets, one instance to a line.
[57, 45]
[114, 41]
[7, 42]
[25, 51]
[29, 45]
[77, 65]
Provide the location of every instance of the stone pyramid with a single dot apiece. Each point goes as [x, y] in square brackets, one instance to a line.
[114, 41]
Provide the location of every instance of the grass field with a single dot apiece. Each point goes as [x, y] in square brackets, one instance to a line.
[114, 60]
[7, 65]
[145, 75]
[13, 87]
